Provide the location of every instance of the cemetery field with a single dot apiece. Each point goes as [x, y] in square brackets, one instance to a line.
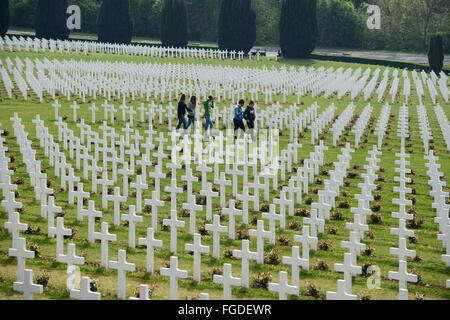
[428, 265]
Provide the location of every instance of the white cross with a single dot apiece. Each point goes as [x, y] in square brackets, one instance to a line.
[197, 248]
[21, 253]
[282, 287]
[295, 261]
[143, 293]
[353, 245]
[85, 292]
[59, 231]
[402, 251]
[349, 270]
[122, 266]
[154, 202]
[260, 235]
[227, 280]
[174, 190]
[80, 194]
[245, 254]
[192, 207]
[150, 242]
[27, 286]
[91, 213]
[306, 240]
[272, 216]
[223, 182]
[174, 273]
[105, 237]
[209, 193]
[173, 223]
[402, 276]
[341, 293]
[14, 226]
[117, 199]
[245, 198]
[232, 212]
[132, 219]
[139, 186]
[216, 228]
[70, 259]
[125, 172]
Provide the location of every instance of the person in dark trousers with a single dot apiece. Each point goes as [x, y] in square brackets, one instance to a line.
[181, 112]
[250, 116]
[191, 105]
[238, 119]
[208, 105]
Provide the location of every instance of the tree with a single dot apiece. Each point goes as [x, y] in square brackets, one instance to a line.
[114, 22]
[51, 19]
[4, 17]
[436, 53]
[237, 25]
[174, 26]
[298, 28]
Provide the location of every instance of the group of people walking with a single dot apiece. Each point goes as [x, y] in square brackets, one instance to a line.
[240, 115]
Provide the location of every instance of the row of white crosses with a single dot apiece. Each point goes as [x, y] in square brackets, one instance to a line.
[361, 124]
[86, 47]
[402, 275]
[321, 123]
[444, 124]
[357, 229]
[94, 79]
[442, 208]
[381, 127]
[341, 122]
[424, 125]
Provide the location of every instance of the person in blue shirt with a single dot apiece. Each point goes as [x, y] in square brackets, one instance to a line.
[238, 119]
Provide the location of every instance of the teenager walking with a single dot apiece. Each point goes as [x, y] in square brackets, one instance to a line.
[238, 119]
[181, 112]
[250, 117]
[208, 105]
[191, 105]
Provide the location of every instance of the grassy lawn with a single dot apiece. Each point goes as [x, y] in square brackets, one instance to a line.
[432, 270]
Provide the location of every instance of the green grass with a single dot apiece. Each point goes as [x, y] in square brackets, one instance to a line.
[433, 270]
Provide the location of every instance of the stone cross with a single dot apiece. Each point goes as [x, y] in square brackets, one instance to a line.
[21, 253]
[85, 292]
[232, 212]
[341, 293]
[143, 293]
[197, 248]
[216, 228]
[154, 202]
[27, 286]
[245, 254]
[59, 231]
[122, 266]
[174, 274]
[349, 270]
[173, 223]
[70, 259]
[282, 287]
[105, 237]
[227, 280]
[295, 261]
[132, 219]
[150, 242]
[14, 226]
[91, 213]
[260, 235]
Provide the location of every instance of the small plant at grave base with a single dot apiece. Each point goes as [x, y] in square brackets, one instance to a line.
[347, 183]
[184, 186]
[185, 213]
[325, 245]
[238, 204]
[194, 297]
[337, 215]
[2, 279]
[370, 234]
[163, 227]
[333, 229]
[5, 133]
[376, 218]
[369, 251]
[414, 239]
[32, 230]
[94, 285]
[321, 265]
[165, 264]
[319, 181]
[294, 225]
[272, 257]
[382, 169]
[344, 204]
[415, 222]
[366, 267]
[60, 214]
[412, 181]
[375, 207]
[151, 289]
[223, 217]
[365, 296]
[261, 280]
[19, 181]
[417, 258]
[352, 175]
[413, 191]
[308, 201]
[381, 178]
[242, 234]
[302, 212]
[418, 274]
[64, 118]
[34, 247]
[201, 200]
[419, 296]
[202, 230]
[283, 240]
[345, 194]
[265, 207]
[377, 197]
[125, 224]
[315, 191]
[324, 172]
[215, 270]
[254, 220]
[413, 199]
[147, 209]
[228, 253]
[42, 278]
[312, 290]
[379, 187]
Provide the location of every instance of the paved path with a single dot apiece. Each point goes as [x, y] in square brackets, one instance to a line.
[404, 57]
